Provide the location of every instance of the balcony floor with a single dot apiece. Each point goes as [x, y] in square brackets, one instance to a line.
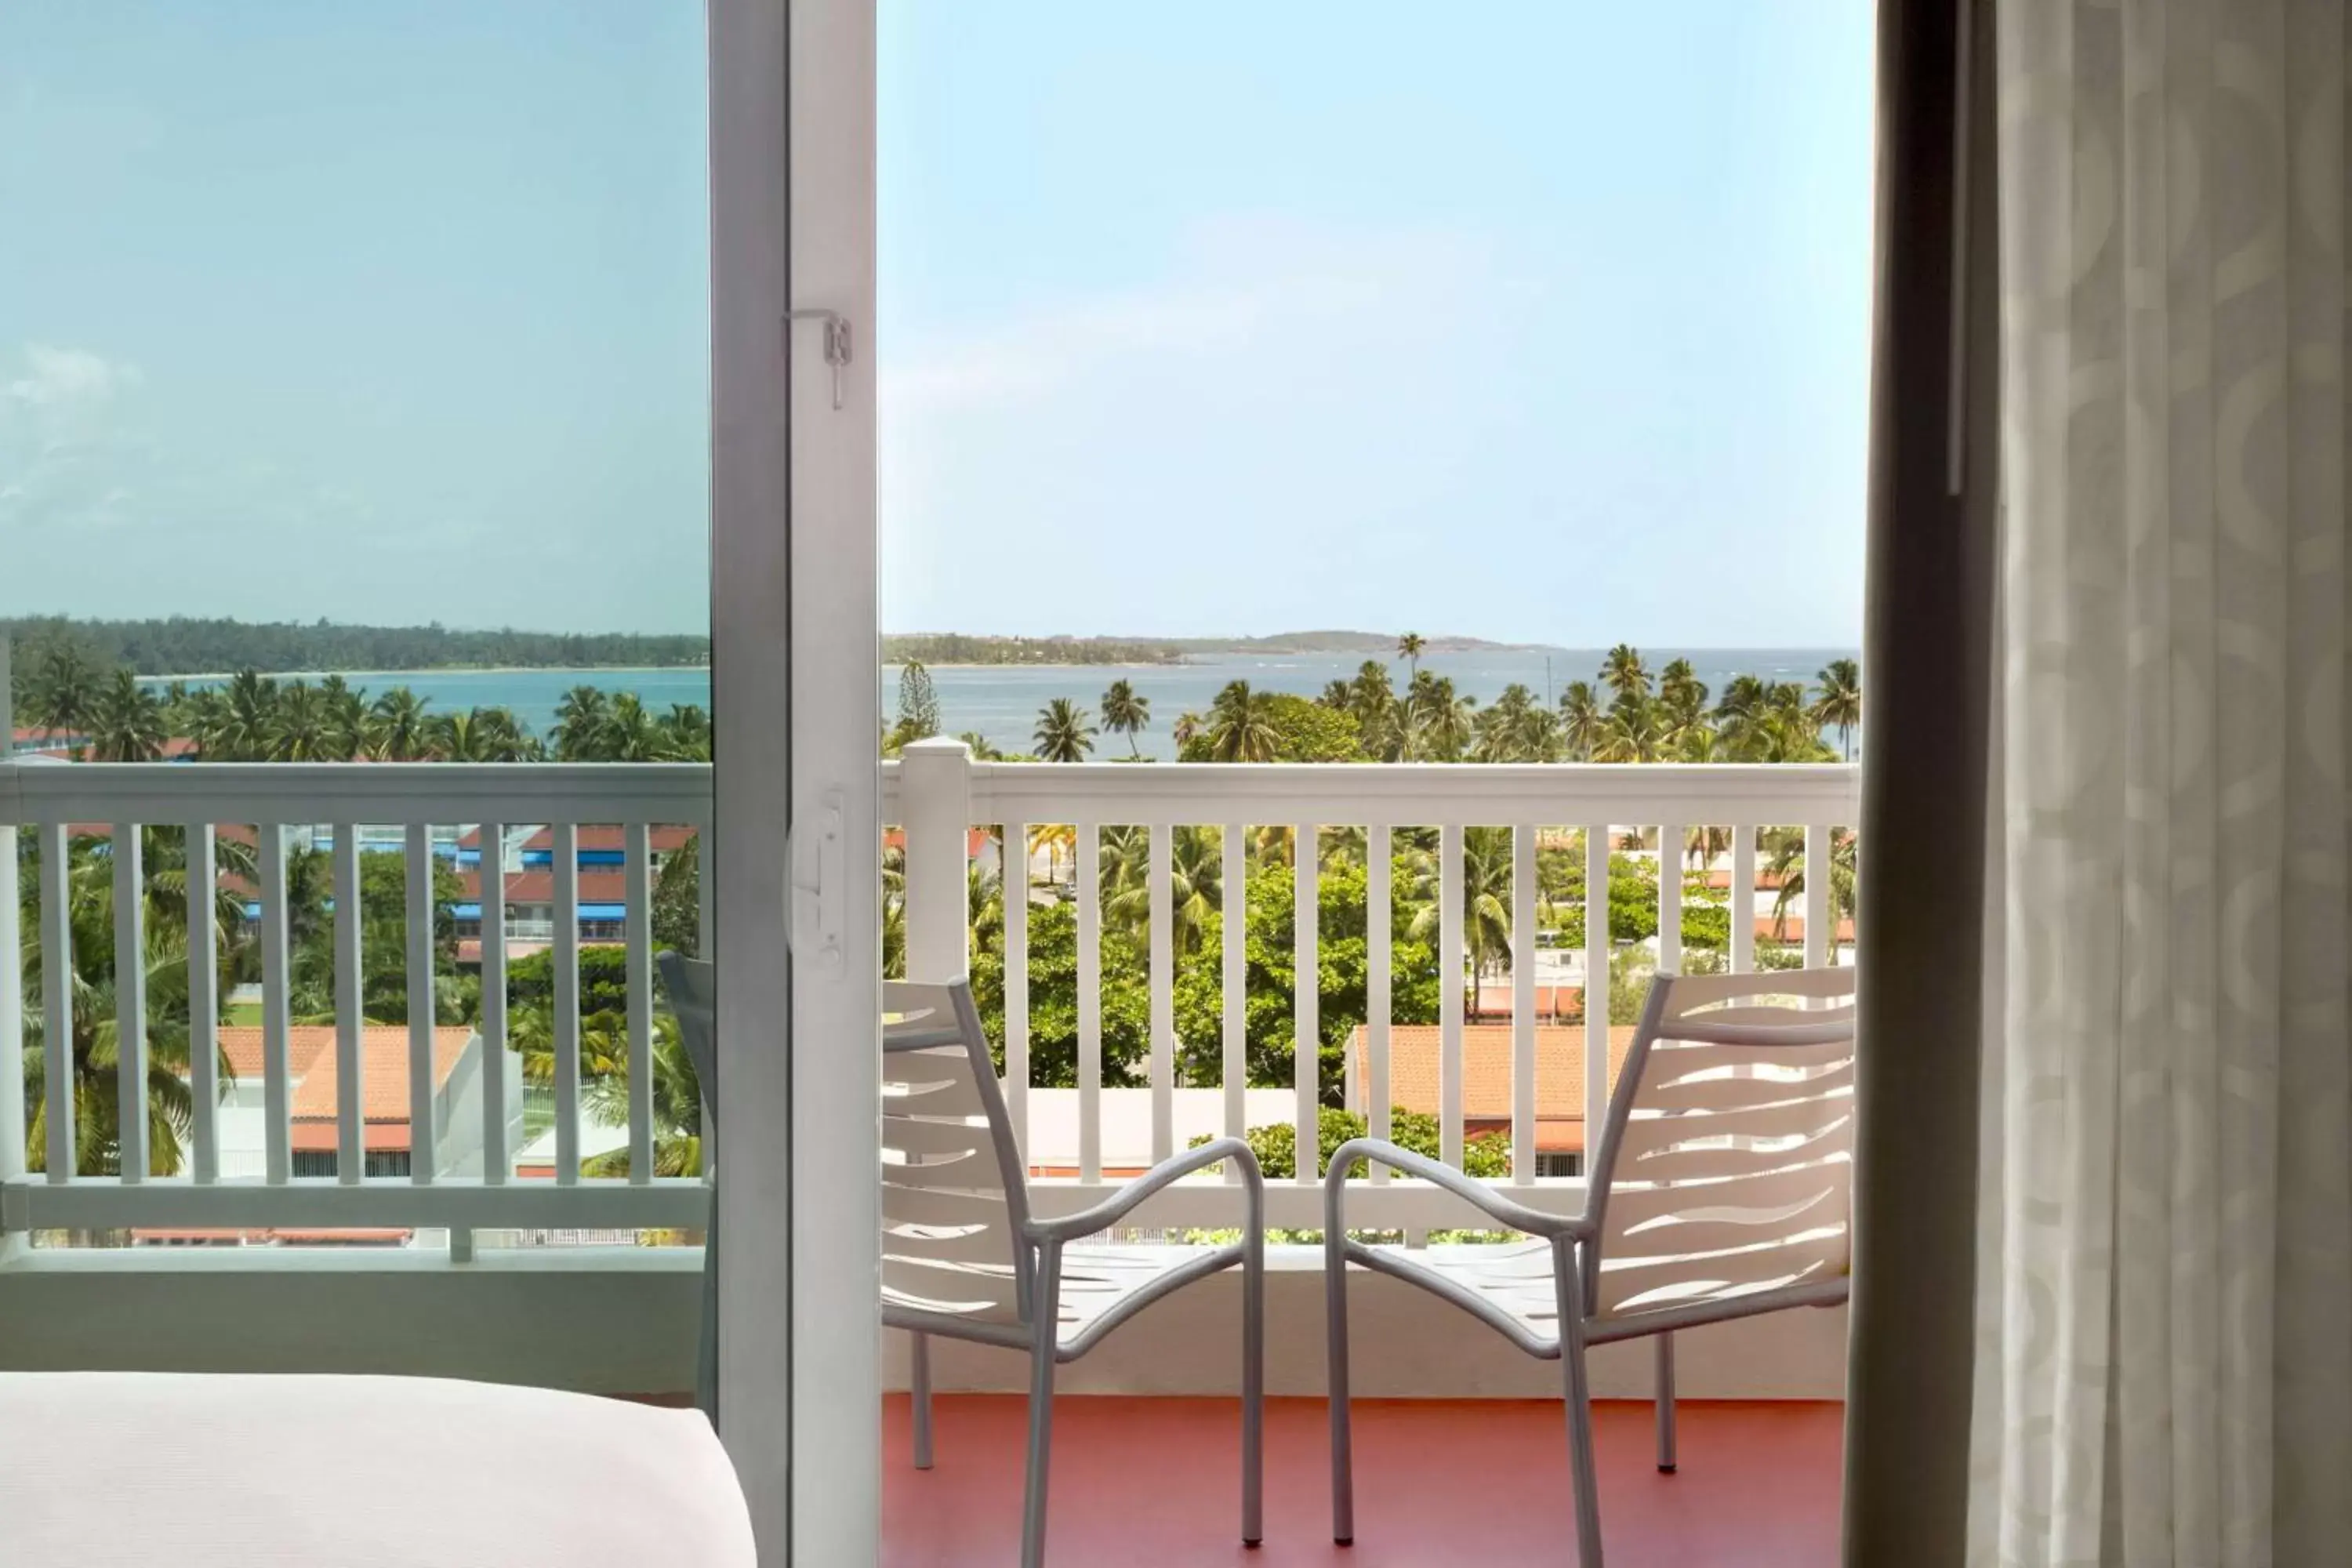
[1156, 1481]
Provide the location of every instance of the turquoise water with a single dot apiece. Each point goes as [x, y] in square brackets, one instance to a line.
[1002, 701]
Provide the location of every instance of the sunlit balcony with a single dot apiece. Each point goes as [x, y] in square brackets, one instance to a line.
[529, 1235]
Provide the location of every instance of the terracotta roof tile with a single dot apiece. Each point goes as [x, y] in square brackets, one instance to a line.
[241, 1044]
[598, 885]
[976, 840]
[1487, 1075]
[384, 1064]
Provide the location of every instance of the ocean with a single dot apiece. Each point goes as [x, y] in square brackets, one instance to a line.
[1002, 701]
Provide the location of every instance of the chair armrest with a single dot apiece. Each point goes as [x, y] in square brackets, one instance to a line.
[1471, 1190]
[1117, 1206]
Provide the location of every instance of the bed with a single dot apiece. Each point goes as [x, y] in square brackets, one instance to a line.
[134, 1469]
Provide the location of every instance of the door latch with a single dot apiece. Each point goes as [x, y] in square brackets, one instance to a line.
[819, 874]
[836, 341]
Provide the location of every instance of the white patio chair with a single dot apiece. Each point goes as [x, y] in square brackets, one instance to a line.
[693, 997]
[1720, 1190]
[963, 1257]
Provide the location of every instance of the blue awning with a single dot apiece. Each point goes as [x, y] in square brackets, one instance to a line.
[253, 910]
[587, 912]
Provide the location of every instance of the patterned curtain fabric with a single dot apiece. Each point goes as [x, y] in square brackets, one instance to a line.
[2165, 1365]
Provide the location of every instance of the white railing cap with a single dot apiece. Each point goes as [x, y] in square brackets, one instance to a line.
[1414, 793]
[388, 793]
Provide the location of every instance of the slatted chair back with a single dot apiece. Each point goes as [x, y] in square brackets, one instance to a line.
[954, 1198]
[694, 997]
[693, 988]
[1724, 1173]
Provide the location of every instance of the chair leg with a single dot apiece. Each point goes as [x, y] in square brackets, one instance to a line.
[1254, 1388]
[1045, 1318]
[1578, 1396]
[921, 1385]
[1335, 1341]
[1666, 1404]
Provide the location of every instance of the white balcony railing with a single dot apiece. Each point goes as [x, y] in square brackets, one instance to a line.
[207, 806]
[939, 795]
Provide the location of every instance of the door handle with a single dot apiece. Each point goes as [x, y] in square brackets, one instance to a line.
[818, 878]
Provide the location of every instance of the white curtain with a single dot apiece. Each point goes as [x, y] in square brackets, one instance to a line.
[2165, 1373]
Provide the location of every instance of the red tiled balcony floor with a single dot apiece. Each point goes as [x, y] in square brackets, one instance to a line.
[1157, 1481]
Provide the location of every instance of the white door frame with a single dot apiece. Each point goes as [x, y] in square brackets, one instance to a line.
[795, 691]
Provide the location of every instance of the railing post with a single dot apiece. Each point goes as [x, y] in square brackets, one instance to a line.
[935, 802]
[11, 963]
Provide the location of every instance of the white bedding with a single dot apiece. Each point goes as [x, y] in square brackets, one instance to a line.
[145, 1470]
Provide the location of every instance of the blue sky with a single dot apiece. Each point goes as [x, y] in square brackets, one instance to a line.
[1538, 321]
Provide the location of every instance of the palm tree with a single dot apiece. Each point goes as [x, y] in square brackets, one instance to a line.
[1485, 902]
[1769, 722]
[400, 727]
[1784, 857]
[1196, 866]
[127, 723]
[1056, 840]
[248, 719]
[686, 732]
[1188, 724]
[676, 1096]
[1839, 706]
[62, 695]
[1631, 733]
[1062, 733]
[1622, 671]
[1581, 720]
[982, 751]
[1125, 713]
[91, 1022]
[1740, 715]
[580, 721]
[477, 735]
[1490, 739]
[455, 737]
[1409, 649]
[1682, 705]
[347, 717]
[1441, 723]
[1789, 735]
[1680, 688]
[1241, 725]
[984, 895]
[1703, 847]
[630, 733]
[1372, 700]
[1516, 728]
[200, 716]
[605, 1086]
[176, 699]
[303, 728]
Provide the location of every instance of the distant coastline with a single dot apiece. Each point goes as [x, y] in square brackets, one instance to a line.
[215, 675]
[209, 651]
